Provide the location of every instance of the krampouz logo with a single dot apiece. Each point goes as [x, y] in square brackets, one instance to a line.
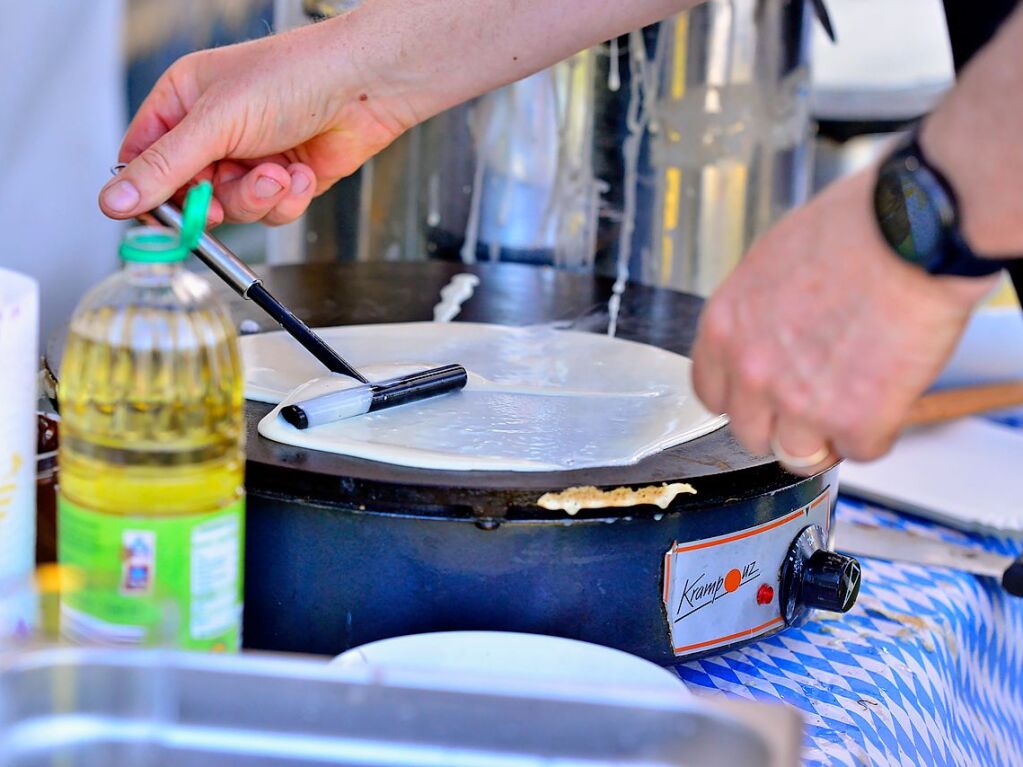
[703, 591]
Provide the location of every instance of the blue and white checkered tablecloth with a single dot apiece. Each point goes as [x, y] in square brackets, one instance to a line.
[926, 669]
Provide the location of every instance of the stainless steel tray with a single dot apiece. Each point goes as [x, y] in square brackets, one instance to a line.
[92, 708]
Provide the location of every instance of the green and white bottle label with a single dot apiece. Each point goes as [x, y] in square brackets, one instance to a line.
[154, 580]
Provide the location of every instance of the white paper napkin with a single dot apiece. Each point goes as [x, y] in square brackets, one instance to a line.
[967, 473]
[19, 322]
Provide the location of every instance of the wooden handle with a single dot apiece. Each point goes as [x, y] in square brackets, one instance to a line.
[968, 400]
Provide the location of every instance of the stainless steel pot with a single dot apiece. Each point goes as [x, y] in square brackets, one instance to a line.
[660, 155]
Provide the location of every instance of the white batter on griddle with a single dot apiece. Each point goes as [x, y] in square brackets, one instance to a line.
[538, 399]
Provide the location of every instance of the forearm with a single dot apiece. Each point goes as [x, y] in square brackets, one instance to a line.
[428, 55]
[974, 137]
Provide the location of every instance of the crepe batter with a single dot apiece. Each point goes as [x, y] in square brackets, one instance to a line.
[538, 399]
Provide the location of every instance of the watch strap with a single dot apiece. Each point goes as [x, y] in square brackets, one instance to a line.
[956, 257]
[1016, 274]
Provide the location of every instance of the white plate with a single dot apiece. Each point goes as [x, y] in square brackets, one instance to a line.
[491, 659]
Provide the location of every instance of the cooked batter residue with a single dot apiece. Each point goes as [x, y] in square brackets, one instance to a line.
[575, 498]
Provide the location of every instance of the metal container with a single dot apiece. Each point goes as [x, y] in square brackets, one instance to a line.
[659, 155]
[104, 708]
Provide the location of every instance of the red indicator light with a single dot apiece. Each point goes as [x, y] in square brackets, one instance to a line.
[765, 594]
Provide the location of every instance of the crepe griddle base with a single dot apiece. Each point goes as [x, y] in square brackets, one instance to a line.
[342, 551]
[363, 293]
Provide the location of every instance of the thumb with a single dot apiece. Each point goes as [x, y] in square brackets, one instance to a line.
[168, 164]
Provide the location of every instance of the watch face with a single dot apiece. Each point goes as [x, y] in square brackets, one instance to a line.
[913, 212]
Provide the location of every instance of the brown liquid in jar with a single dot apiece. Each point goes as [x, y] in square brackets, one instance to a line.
[46, 489]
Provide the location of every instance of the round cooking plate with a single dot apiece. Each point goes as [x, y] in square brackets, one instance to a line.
[363, 293]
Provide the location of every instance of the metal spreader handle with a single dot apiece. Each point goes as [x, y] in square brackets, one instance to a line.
[212, 252]
[232, 270]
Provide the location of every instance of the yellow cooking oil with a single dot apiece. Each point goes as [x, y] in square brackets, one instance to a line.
[151, 504]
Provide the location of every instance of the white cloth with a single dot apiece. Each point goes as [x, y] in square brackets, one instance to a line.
[60, 126]
[18, 310]
[892, 60]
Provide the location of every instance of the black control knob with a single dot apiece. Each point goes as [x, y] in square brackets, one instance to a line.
[813, 578]
[830, 581]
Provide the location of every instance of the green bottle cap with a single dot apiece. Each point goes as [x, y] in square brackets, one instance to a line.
[161, 245]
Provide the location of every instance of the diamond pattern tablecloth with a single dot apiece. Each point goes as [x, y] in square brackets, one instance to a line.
[926, 669]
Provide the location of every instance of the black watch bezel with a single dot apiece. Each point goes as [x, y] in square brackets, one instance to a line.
[918, 214]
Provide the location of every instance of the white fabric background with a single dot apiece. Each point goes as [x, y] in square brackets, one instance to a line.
[61, 121]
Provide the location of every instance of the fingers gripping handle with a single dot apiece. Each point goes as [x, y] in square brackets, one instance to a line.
[232, 270]
[212, 251]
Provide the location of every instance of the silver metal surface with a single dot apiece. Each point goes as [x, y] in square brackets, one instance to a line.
[900, 546]
[833, 160]
[662, 154]
[508, 176]
[730, 145]
[217, 256]
[93, 708]
[212, 252]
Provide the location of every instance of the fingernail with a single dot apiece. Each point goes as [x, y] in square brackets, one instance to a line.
[121, 197]
[299, 183]
[266, 187]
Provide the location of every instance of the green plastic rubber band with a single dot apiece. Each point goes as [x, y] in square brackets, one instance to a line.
[197, 206]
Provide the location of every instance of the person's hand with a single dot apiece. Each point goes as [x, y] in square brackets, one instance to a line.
[821, 340]
[271, 122]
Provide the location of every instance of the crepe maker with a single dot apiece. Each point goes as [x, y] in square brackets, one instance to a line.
[343, 551]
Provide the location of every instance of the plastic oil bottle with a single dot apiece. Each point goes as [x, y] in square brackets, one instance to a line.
[151, 505]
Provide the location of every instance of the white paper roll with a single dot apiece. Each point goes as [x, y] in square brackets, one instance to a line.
[19, 363]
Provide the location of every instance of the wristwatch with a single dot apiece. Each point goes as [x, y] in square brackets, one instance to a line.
[918, 215]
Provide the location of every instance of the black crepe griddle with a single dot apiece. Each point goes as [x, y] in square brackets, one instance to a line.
[344, 551]
[346, 294]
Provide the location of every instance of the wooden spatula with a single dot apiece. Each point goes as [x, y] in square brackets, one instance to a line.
[967, 400]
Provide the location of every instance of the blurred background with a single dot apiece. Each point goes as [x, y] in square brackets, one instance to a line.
[658, 156]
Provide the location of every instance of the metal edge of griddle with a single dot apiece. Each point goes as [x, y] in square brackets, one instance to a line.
[492, 497]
